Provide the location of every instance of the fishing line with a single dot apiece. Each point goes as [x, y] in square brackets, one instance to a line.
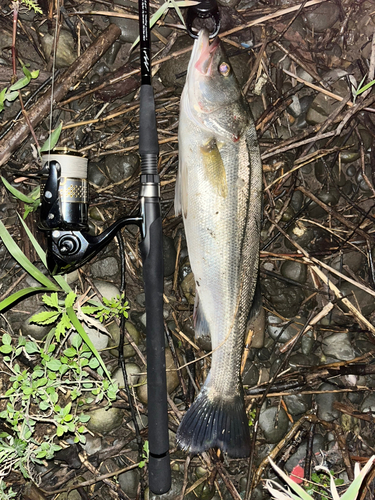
[54, 53]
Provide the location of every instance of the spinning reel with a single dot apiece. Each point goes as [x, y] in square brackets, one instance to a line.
[64, 214]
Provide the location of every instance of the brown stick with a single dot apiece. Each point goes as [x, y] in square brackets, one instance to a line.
[63, 84]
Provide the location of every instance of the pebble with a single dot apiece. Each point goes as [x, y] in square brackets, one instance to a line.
[286, 299]
[173, 380]
[295, 271]
[169, 256]
[321, 174]
[114, 330]
[35, 331]
[172, 72]
[298, 404]
[338, 346]
[307, 343]
[258, 325]
[121, 167]
[322, 17]
[66, 52]
[98, 338]
[299, 360]
[368, 404]
[95, 173]
[364, 299]
[132, 372]
[104, 420]
[276, 326]
[188, 288]
[129, 482]
[330, 198]
[296, 201]
[250, 374]
[326, 401]
[301, 234]
[300, 454]
[105, 267]
[107, 290]
[322, 105]
[177, 480]
[274, 423]
[93, 444]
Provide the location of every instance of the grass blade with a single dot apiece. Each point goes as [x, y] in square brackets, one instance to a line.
[42, 255]
[22, 294]
[21, 258]
[17, 194]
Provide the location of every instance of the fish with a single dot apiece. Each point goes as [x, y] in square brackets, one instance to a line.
[219, 193]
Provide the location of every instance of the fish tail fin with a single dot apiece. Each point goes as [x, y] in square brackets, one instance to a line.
[213, 421]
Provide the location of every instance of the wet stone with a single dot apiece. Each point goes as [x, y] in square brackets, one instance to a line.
[299, 233]
[95, 173]
[326, 401]
[107, 290]
[368, 404]
[330, 198]
[300, 454]
[35, 331]
[132, 372]
[286, 299]
[129, 482]
[353, 260]
[302, 360]
[295, 271]
[141, 299]
[104, 421]
[364, 299]
[169, 256]
[177, 480]
[296, 201]
[307, 343]
[105, 267]
[121, 167]
[338, 346]
[321, 17]
[114, 330]
[274, 424]
[66, 52]
[98, 338]
[298, 404]
[188, 288]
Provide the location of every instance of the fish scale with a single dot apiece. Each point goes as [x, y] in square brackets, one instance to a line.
[218, 192]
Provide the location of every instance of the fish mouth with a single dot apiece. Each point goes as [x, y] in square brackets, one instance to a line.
[204, 52]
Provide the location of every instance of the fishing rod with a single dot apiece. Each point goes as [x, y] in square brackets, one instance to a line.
[64, 218]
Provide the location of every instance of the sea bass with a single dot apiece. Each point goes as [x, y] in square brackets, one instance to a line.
[218, 192]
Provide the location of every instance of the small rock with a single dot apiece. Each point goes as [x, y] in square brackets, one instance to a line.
[296, 201]
[105, 267]
[93, 444]
[169, 256]
[95, 173]
[358, 296]
[338, 346]
[188, 288]
[141, 299]
[257, 324]
[172, 377]
[250, 374]
[129, 482]
[368, 404]
[114, 330]
[106, 290]
[274, 424]
[353, 260]
[300, 454]
[307, 343]
[322, 17]
[326, 401]
[65, 53]
[297, 361]
[132, 372]
[298, 403]
[330, 198]
[103, 421]
[295, 271]
[277, 330]
[121, 167]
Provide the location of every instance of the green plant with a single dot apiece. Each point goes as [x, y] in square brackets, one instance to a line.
[280, 493]
[11, 94]
[51, 393]
[320, 484]
[30, 4]
[145, 455]
[6, 495]
[361, 89]
[251, 416]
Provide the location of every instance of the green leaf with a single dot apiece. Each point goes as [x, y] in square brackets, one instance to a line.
[34, 74]
[77, 325]
[25, 292]
[45, 317]
[15, 192]
[21, 258]
[76, 341]
[51, 300]
[6, 349]
[70, 352]
[7, 339]
[20, 84]
[12, 96]
[31, 347]
[70, 299]
[26, 72]
[53, 364]
[42, 255]
[63, 325]
[84, 418]
[60, 431]
[94, 363]
[52, 140]
[365, 87]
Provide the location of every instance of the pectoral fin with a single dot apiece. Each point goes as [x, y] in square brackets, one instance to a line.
[181, 189]
[214, 167]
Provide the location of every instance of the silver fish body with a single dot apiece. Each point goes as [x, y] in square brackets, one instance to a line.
[218, 192]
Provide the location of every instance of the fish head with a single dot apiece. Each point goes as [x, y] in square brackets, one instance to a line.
[215, 101]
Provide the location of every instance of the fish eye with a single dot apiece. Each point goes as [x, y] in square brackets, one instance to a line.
[224, 68]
